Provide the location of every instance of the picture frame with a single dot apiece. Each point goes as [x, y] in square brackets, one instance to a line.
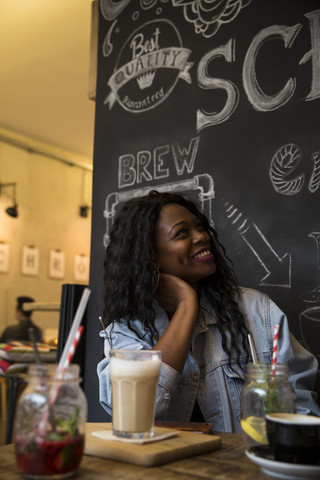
[30, 260]
[81, 268]
[56, 264]
[4, 257]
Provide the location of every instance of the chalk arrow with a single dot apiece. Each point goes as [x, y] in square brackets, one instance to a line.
[278, 268]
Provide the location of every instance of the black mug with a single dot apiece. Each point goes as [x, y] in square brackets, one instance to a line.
[294, 438]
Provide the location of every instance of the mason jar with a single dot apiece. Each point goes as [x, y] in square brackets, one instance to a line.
[265, 391]
[50, 423]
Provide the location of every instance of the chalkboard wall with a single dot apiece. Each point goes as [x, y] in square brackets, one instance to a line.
[219, 100]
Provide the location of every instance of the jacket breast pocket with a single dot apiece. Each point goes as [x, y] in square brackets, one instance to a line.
[235, 379]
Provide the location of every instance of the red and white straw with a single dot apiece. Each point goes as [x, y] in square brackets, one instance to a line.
[74, 329]
[73, 347]
[275, 348]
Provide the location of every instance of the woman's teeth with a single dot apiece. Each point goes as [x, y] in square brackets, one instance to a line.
[202, 254]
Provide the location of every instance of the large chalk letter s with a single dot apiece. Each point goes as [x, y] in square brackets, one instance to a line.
[205, 119]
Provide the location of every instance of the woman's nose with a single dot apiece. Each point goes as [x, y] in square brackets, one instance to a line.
[200, 236]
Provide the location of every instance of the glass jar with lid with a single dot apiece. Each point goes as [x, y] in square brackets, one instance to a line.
[266, 390]
[50, 423]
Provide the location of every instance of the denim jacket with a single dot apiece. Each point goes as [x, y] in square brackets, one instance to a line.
[207, 375]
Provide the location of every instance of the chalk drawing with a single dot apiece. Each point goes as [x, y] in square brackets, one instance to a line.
[283, 163]
[203, 184]
[107, 46]
[313, 296]
[309, 321]
[146, 4]
[205, 118]
[207, 16]
[110, 9]
[316, 236]
[148, 67]
[315, 177]
[259, 100]
[278, 268]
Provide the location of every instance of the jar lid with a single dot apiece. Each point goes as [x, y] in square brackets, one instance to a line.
[51, 371]
[258, 369]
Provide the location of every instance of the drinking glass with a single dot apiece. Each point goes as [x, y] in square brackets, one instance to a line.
[134, 378]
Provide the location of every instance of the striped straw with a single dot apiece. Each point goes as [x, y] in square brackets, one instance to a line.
[74, 328]
[55, 388]
[275, 348]
[73, 347]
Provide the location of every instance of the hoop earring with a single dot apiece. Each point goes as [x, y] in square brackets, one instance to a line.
[155, 279]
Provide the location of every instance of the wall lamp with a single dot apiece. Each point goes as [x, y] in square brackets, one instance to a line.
[83, 210]
[13, 210]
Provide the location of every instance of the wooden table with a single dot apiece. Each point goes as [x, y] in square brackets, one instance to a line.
[229, 462]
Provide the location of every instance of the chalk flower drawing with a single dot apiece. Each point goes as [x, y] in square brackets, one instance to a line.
[111, 9]
[208, 15]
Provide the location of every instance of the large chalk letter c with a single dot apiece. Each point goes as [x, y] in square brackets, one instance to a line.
[259, 100]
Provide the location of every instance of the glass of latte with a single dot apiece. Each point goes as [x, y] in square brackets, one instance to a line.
[134, 377]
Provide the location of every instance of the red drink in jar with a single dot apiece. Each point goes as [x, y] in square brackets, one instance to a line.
[42, 457]
[50, 424]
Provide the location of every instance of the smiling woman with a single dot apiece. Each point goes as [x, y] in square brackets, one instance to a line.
[169, 286]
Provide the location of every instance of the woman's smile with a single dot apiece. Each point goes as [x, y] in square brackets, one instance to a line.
[204, 255]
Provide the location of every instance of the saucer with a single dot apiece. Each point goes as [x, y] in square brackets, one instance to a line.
[283, 470]
[159, 434]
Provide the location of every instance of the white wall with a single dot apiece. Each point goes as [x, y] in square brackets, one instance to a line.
[49, 194]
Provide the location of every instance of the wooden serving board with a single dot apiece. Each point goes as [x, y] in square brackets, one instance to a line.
[185, 444]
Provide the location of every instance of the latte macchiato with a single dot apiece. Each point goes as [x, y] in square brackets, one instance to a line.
[134, 377]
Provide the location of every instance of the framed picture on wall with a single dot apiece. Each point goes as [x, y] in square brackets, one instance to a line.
[56, 264]
[4, 257]
[30, 260]
[81, 268]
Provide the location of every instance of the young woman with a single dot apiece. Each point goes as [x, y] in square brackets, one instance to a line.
[169, 286]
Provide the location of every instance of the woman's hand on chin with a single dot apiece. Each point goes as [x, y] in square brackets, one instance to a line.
[173, 291]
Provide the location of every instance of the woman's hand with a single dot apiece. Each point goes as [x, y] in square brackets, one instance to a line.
[180, 301]
[172, 291]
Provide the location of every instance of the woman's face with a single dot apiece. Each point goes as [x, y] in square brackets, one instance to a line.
[181, 246]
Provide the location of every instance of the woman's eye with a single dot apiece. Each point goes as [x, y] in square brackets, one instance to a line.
[199, 227]
[182, 232]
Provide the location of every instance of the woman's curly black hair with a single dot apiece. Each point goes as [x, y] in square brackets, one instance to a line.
[128, 286]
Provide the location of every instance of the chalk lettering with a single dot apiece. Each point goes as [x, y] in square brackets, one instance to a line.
[127, 173]
[185, 157]
[148, 166]
[159, 153]
[259, 100]
[205, 119]
[314, 54]
[139, 46]
[143, 161]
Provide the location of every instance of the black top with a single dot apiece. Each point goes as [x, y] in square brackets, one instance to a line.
[197, 415]
[20, 332]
